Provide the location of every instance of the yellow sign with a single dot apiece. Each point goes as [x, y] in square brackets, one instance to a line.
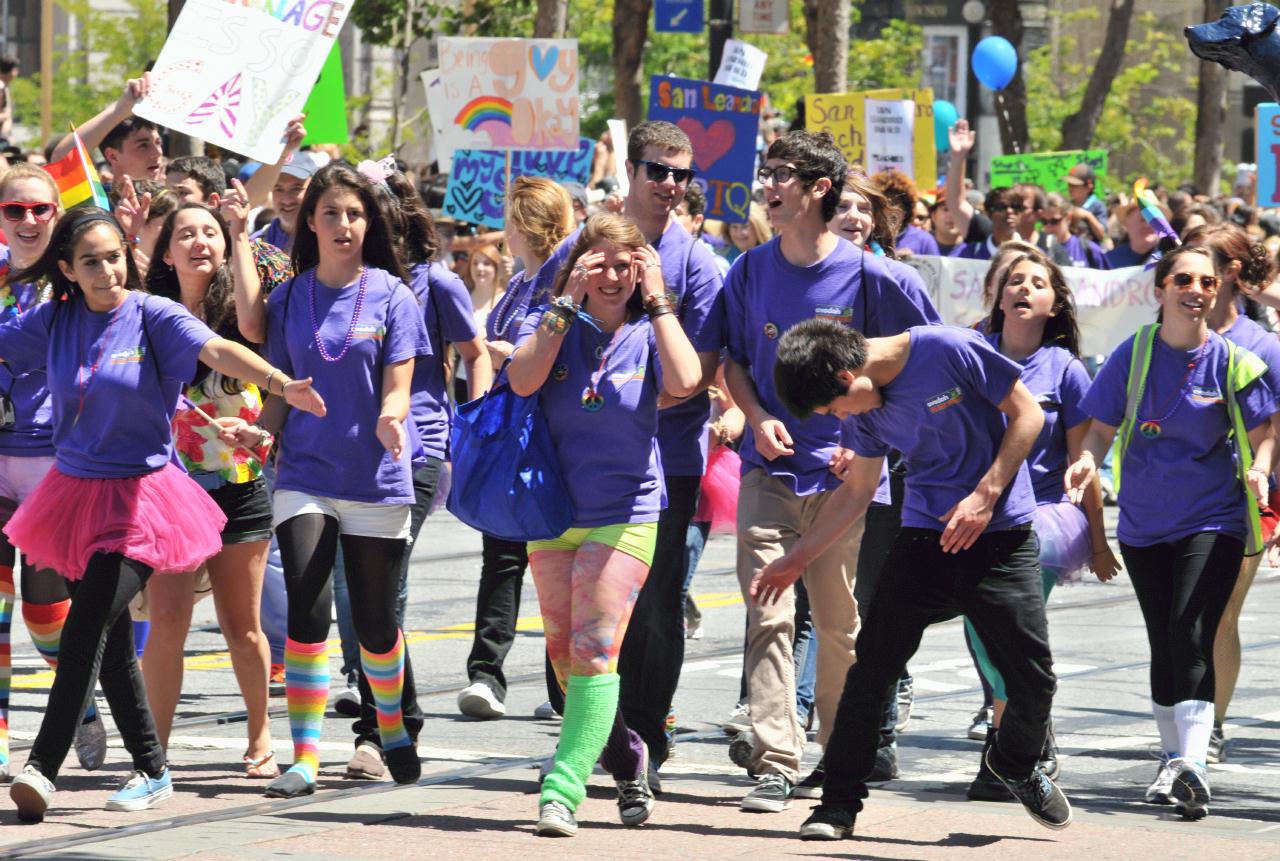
[844, 116]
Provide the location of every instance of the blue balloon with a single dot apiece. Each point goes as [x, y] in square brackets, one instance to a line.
[994, 62]
[944, 117]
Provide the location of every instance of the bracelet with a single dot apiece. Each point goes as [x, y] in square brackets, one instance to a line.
[264, 438]
[657, 310]
[554, 322]
[267, 384]
[1258, 470]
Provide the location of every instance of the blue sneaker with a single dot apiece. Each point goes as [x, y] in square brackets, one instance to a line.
[141, 792]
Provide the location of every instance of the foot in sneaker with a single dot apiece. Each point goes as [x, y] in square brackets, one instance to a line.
[981, 722]
[546, 712]
[886, 767]
[827, 823]
[1161, 789]
[30, 793]
[1040, 796]
[478, 700]
[906, 698]
[811, 786]
[986, 786]
[366, 763]
[739, 720]
[1217, 745]
[91, 742]
[740, 750]
[141, 792]
[403, 763]
[291, 784]
[1048, 762]
[555, 820]
[347, 701]
[1190, 789]
[635, 798]
[771, 795]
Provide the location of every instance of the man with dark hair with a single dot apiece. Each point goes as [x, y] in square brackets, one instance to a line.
[134, 149]
[194, 177]
[791, 467]
[1005, 207]
[966, 546]
[1034, 201]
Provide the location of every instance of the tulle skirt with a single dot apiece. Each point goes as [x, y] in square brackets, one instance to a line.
[162, 519]
[1064, 540]
[718, 502]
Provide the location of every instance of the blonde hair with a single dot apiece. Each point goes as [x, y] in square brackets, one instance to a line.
[542, 211]
[758, 225]
[22, 170]
[489, 252]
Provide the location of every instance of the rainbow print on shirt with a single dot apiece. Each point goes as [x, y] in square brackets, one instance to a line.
[483, 109]
[128, 356]
[942, 400]
[377, 333]
[1206, 395]
[621, 378]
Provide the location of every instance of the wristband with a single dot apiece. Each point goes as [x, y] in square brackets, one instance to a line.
[657, 310]
[566, 306]
[555, 321]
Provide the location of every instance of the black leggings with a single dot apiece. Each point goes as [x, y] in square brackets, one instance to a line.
[308, 545]
[1183, 587]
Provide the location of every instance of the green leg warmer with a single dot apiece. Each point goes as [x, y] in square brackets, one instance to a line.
[589, 706]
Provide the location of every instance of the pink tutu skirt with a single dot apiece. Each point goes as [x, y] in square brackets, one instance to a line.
[1064, 540]
[162, 519]
[718, 503]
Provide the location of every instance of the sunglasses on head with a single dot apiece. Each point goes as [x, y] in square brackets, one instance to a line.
[15, 211]
[1208, 283]
[656, 171]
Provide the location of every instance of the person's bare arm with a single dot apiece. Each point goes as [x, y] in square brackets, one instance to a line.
[93, 130]
[259, 186]
[961, 140]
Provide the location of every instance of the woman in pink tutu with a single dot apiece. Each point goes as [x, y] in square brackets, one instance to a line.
[114, 509]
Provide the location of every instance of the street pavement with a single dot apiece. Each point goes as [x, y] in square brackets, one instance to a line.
[476, 797]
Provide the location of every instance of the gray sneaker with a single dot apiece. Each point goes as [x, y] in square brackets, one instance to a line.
[771, 795]
[1161, 789]
[91, 743]
[555, 820]
[1190, 789]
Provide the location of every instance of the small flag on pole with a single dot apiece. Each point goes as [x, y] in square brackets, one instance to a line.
[77, 178]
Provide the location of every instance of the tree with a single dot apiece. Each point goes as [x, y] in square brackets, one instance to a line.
[831, 53]
[629, 37]
[550, 21]
[1211, 113]
[1011, 102]
[1077, 129]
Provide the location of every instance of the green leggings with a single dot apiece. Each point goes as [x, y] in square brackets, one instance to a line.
[989, 673]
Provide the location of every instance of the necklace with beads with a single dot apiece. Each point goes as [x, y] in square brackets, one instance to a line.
[355, 317]
[1152, 428]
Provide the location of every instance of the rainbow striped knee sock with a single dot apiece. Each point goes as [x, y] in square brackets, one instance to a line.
[385, 673]
[44, 624]
[306, 684]
[6, 659]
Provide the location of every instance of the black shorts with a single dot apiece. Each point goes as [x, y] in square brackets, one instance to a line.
[248, 510]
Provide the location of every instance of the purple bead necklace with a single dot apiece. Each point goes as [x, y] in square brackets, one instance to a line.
[355, 316]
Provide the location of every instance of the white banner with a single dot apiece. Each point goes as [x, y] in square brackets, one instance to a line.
[434, 90]
[1110, 304]
[741, 65]
[234, 74]
[890, 135]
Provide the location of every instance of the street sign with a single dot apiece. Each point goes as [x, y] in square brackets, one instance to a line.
[678, 16]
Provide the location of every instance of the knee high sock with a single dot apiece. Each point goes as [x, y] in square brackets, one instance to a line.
[1170, 745]
[44, 624]
[306, 685]
[1194, 720]
[385, 673]
[6, 656]
[590, 704]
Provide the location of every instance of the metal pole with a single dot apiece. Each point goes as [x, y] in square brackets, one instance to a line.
[46, 69]
[720, 28]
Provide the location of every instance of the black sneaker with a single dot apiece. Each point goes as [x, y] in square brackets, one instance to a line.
[886, 767]
[771, 795]
[811, 786]
[986, 786]
[1049, 755]
[1040, 797]
[827, 823]
[740, 751]
[1190, 790]
[1217, 745]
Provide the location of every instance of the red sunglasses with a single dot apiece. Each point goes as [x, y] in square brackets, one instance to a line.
[16, 211]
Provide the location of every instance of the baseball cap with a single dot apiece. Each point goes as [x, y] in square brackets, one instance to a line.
[1081, 174]
[578, 192]
[302, 166]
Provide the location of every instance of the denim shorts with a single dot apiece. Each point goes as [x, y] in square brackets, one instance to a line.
[248, 510]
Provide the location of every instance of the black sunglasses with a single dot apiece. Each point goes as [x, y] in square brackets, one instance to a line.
[656, 171]
[1002, 207]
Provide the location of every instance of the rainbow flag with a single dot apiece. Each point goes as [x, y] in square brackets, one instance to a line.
[77, 179]
[1150, 207]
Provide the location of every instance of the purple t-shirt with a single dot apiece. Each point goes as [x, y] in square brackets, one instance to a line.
[1058, 382]
[339, 455]
[1183, 481]
[445, 306]
[609, 457]
[32, 432]
[114, 383]
[694, 281]
[1123, 256]
[1085, 253]
[274, 234]
[504, 321]
[765, 295]
[1263, 344]
[941, 411]
[973, 250]
[917, 241]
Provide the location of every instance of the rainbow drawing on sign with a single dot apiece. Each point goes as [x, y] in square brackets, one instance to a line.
[483, 109]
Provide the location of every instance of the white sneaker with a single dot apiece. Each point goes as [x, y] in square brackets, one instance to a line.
[31, 792]
[739, 720]
[546, 712]
[477, 700]
[1161, 789]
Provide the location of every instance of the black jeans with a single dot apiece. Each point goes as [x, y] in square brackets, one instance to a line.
[1182, 587]
[996, 583]
[882, 525]
[97, 644]
[653, 647]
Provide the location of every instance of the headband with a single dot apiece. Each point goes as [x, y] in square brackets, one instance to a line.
[94, 214]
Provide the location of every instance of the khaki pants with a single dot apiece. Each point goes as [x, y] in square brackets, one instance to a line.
[771, 518]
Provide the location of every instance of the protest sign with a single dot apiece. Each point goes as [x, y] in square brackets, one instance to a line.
[677, 16]
[741, 65]
[1267, 154]
[326, 107]
[844, 116]
[722, 123]
[234, 73]
[477, 190]
[890, 126]
[1110, 304]
[618, 134]
[433, 87]
[510, 94]
[764, 16]
[1046, 169]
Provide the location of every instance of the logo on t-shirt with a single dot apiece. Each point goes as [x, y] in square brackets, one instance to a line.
[770, 331]
[128, 356]
[375, 332]
[836, 313]
[621, 378]
[942, 400]
[1206, 395]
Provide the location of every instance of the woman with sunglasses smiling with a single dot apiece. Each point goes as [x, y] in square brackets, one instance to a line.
[1056, 219]
[1187, 498]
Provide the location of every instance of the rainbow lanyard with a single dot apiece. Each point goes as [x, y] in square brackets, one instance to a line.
[1150, 428]
[592, 400]
[83, 380]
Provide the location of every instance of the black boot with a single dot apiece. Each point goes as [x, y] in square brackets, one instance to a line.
[986, 786]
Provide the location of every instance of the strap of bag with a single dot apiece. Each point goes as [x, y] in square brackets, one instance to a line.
[1139, 365]
[1240, 373]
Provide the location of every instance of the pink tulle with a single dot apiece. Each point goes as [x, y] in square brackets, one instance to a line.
[718, 504]
[162, 519]
[1064, 540]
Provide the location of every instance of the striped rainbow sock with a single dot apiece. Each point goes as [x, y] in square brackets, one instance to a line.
[306, 685]
[385, 673]
[44, 624]
[6, 661]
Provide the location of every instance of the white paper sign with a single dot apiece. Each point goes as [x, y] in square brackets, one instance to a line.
[434, 89]
[234, 74]
[764, 16]
[890, 135]
[618, 132]
[741, 65]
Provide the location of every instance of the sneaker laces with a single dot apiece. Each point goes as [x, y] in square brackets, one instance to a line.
[632, 792]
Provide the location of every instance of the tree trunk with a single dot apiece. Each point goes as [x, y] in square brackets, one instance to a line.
[810, 8]
[630, 31]
[831, 54]
[1078, 129]
[550, 22]
[1211, 114]
[1011, 102]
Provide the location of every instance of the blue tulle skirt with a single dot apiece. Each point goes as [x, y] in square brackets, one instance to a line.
[1064, 540]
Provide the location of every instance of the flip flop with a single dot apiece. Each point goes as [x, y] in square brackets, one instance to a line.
[262, 768]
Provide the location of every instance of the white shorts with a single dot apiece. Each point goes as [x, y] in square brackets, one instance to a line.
[20, 475]
[371, 519]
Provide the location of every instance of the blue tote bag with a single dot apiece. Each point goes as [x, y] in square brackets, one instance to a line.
[506, 476]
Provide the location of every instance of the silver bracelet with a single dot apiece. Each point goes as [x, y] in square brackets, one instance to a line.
[267, 384]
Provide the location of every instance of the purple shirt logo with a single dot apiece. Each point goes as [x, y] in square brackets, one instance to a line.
[942, 400]
[835, 313]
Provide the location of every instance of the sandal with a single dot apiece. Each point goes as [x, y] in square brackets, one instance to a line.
[262, 768]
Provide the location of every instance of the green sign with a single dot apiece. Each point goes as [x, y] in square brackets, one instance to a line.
[326, 107]
[1046, 169]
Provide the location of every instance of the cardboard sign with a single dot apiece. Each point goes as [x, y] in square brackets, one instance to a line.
[722, 123]
[844, 116]
[890, 129]
[510, 94]
[433, 87]
[677, 16]
[234, 73]
[618, 132]
[477, 190]
[764, 16]
[1267, 154]
[1046, 169]
[741, 65]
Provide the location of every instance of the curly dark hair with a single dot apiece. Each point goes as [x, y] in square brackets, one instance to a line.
[218, 309]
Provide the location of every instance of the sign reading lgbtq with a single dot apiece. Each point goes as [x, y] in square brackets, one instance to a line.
[844, 115]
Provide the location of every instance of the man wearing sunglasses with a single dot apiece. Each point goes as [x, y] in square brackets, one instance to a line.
[1056, 218]
[1004, 206]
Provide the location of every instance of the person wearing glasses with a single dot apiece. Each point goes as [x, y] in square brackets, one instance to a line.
[1004, 206]
[1056, 218]
[806, 271]
[1185, 516]
[1033, 203]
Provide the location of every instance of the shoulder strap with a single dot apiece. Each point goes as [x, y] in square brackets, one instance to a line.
[1240, 373]
[1139, 365]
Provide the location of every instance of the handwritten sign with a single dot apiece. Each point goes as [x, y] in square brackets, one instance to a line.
[722, 123]
[234, 73]
[433, 87]
[764, 16]
[741, 65]
[1267, 153]
[677, 16]
[844, 115]
[1046, 169]
[510, 94]
[890, 126]
[477, 190]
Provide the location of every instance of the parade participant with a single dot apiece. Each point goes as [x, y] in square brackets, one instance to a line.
[286, 197]
[348, 320]
[1141, 239]
[966, 544]
[753, 232]
[1184, 513]
[1056, 218]
[599, 392]
[901, 193]
[115, 360]
[130, 145]
[483, 275]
